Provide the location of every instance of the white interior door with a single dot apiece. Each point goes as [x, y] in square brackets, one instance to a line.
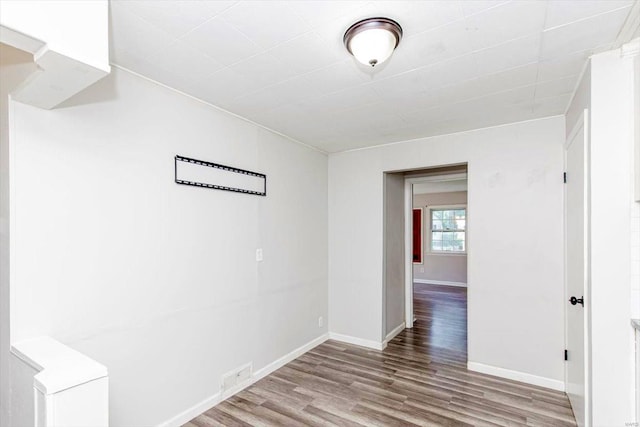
[577, 268]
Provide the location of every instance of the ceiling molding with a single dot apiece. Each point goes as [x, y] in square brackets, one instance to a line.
[426, 138]
[275, 132]
[631, 25]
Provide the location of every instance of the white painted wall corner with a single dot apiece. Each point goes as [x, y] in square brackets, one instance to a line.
[391, 335]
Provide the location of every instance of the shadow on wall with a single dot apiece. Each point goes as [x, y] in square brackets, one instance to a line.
[105, 90]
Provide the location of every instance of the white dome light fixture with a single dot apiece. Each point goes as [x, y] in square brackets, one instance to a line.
[373, 40]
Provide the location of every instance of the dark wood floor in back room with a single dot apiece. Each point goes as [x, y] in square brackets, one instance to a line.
[419, 379]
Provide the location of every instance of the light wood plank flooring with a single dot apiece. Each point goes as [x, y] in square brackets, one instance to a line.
[419, 379]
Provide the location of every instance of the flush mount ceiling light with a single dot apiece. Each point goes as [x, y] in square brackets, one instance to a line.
[372, 41]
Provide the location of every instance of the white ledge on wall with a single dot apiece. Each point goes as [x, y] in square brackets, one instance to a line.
[59, 77]
[70, 388]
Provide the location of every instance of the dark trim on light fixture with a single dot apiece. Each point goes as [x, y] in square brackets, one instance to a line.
[369, 24]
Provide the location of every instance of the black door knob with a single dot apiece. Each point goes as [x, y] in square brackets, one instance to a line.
[574, 301]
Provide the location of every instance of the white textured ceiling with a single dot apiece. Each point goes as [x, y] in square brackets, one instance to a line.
[461, 64]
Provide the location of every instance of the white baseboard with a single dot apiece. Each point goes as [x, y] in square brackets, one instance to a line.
[358, 341]
[391, 335]
[273, 366]
[440, 282]
[186, 416]
[516, 376]
[211, 401]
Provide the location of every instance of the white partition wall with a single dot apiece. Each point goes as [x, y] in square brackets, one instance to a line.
[515, 302]
[612, 337]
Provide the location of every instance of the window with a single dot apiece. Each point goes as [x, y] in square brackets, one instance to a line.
[448, 229]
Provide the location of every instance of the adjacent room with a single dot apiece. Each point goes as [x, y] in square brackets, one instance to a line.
[325, 213]
[440, 245]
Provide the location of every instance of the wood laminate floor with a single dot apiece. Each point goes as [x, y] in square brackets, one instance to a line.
[419, 379]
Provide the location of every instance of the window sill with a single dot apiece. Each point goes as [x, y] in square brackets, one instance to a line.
[447, 253]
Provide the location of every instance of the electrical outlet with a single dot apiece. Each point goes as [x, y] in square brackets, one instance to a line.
[320, 322]
[259, 254]
[421, 269]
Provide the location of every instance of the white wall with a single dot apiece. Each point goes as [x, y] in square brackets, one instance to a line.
[394, 251]
[515, 309]
[155, 280]
[612, 337]
[15, 67]
[439, 267]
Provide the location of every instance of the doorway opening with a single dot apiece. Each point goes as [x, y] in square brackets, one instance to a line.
[430, 271]
[437, 280]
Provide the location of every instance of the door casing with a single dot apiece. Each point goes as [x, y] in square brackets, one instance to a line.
[582, 123]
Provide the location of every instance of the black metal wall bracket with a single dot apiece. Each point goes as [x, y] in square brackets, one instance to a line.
[225, 168]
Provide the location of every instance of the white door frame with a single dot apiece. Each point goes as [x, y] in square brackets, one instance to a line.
[408, 237]
[582, 123]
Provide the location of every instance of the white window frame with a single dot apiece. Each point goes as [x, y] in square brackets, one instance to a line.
[429, 234]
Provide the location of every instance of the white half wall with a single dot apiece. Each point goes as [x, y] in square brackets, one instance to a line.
[515, 271]
[69, 41]
[159, 281]
[75, 29]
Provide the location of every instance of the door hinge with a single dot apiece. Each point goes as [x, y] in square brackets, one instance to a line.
[566, 355]
[564, 177]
